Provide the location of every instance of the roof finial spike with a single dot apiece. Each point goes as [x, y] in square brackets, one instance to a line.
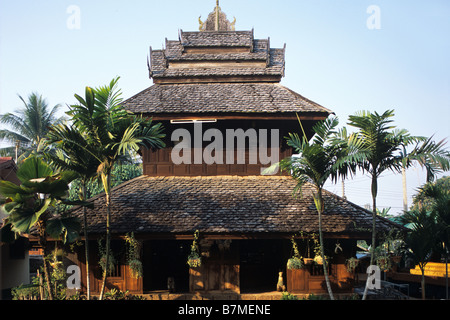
[217, 15]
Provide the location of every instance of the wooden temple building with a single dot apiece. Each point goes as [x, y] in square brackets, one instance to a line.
[226, 81]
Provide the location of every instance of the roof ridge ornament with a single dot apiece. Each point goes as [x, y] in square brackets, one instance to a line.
[216, 21]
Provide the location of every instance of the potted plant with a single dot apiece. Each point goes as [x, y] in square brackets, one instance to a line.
[194, 259]
[295, 262]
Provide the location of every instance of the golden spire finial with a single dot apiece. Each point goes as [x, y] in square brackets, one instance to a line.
[217, 15]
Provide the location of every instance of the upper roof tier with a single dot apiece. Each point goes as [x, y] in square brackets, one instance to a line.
[216, 56]
[220, 70]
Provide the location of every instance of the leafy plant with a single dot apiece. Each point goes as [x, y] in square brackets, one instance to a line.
[194, 259]
[31, 204]
[25, 292]
[295, 262]
[104, 262]
[58, 274]
[351, 264]
[288, 296]
[115, 294]
[133, 255]
[384, 262]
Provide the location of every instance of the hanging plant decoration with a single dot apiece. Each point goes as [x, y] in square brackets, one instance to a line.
[351, 264]
[295, 262]
[134, 255]
[317, 251]
[384, 262]
[194, 258]
[111, 261]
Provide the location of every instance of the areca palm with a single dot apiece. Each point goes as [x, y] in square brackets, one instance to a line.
[379, 147]
[423, 238]
[72, 152]
[112, 133]
[316, 163]
[431, 155]
[29, 125]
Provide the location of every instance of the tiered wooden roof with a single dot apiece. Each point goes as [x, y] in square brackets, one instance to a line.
[226, 205]
[219, 70]
[210, 56]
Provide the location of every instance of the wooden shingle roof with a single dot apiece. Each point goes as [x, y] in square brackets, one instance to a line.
[216, 39]
[206, 53]
[221, 97]
[225, 205]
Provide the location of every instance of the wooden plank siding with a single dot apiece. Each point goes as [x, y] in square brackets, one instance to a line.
[160, 163]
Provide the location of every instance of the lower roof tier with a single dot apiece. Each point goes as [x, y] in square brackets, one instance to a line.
[225, 205]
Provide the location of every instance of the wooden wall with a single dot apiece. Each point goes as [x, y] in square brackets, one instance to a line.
[160, 162]
[121, 280]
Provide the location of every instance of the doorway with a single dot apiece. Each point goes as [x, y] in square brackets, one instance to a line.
[260, 263]
[163, 259]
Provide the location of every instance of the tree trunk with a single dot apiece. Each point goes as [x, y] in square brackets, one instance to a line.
[320, 208]
[43, 244]
[325, 263]
[405, 195]
[422, 282]
[86, 242]
[446, 271]
[374, 217]
[374, 232]
[108, 233]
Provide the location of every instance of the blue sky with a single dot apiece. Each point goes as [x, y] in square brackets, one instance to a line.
[332, 57]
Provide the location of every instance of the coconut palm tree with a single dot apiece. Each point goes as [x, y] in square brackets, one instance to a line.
[29, 125]
[113, 133]
[72, 152]
[316, 163]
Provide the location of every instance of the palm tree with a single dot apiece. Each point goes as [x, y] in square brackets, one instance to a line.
[422, 239]
[437, 198]
[316, 163]
[113, 133]
[380, 147]
[430, 155]
[379, 150]
[72, 153]
[30, 205]
[29, 125]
